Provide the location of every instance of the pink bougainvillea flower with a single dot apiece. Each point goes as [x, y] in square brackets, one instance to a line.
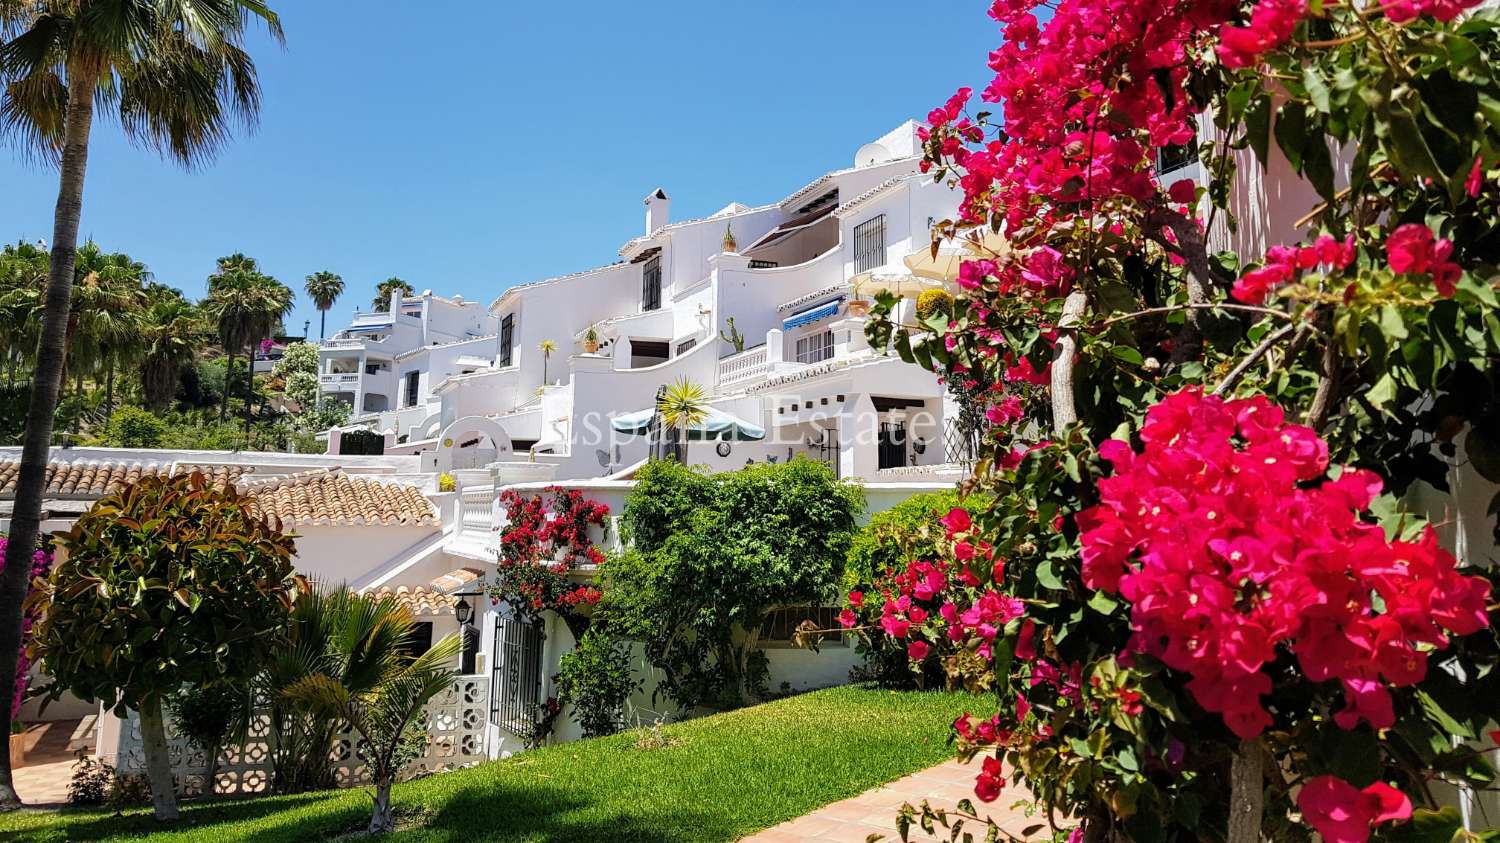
[1413, 248]
[847, 619]
[990, 781]
[1184, 191]
[957, 521]
[1343, 814]
[1475, 182]
[917, 650]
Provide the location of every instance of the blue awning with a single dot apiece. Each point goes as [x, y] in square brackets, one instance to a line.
[378, 326]
[812, 314]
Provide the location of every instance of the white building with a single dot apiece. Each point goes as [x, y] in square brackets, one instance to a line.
[382, 362]
[785, 272]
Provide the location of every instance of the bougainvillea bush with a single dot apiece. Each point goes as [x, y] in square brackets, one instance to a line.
[41, 565]
[1198, 595]
[544, 540]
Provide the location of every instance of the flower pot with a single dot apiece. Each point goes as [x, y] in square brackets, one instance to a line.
[591, 346]
[859, 307]
[17, 750]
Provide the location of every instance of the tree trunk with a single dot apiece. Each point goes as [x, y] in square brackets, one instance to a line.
[228, 379]
[382, 819]
[1064, 355]
[46, 381]
[1328, 385]
[109, 388]
[322, 324]
[78, 394]
[158, 763]
[1247, 791]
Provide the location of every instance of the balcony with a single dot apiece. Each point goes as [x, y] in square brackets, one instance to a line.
[744, 367]
[339, 382]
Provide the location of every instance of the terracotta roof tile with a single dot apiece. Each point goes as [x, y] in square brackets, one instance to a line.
[95, 478]
[457, 579]
[419, 600]
[332, 498]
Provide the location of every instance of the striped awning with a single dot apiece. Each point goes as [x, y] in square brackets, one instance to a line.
[812, 314]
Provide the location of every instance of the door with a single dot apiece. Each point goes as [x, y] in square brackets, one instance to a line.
[892, 444]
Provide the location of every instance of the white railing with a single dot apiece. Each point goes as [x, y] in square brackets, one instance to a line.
[346, 342]
[341, 379]
[745, 366]
[476, 510]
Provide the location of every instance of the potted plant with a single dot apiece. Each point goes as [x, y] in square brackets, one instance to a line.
[17, 744]
[734, 337]
[858, 306]
[591, 340]
[730, 245]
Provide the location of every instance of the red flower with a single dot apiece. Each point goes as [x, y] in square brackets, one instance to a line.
[1184, 191]
[957, 521]
[1342, 814]
[989, 782]
[917, 650]
[1475, 181]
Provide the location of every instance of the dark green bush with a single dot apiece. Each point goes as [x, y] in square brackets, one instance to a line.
[596, 680]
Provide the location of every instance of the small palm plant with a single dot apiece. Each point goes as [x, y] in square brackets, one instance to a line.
[680, 406]
[546, 347]
[388, 712]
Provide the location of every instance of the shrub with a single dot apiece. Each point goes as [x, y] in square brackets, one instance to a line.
[90, 781]
[711, 555]
[167, 582]
[596, 679]
[133, 427]
[909, 530]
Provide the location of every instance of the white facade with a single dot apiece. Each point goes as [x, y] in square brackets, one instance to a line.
[367, 364]
[660, 314]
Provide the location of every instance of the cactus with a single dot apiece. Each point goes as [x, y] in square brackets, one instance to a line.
[734, 337]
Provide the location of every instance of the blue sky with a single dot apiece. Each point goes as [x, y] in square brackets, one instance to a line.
[469, 146]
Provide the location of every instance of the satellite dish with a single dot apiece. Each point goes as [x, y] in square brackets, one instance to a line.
[871, 154]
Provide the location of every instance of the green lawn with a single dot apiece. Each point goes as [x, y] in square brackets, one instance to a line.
[721, 777]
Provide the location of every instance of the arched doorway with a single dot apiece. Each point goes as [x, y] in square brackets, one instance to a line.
[472, 442]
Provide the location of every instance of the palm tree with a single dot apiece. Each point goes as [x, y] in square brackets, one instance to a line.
[246, 306]
[388, 714]
[23, 281]
[348, 640]
[177, 74]
[324, 288]
[383, 292]
[109, 295]
[546, 348]
[680, 407]
[172, 329]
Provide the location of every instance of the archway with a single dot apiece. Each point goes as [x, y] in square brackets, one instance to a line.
[471, 442]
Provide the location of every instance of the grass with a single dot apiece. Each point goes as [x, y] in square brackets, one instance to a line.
[714, 779]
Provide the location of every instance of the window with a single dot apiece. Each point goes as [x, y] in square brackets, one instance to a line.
[516, 683]
[507, 338]
[815, 348]
[892, 445]
[651, 284]
[756, 263]
[412, 380]
[780, 626]
[1176, 157]
[686, 345]
[869, 244]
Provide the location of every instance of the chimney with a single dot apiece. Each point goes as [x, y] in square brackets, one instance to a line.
[657, 207]
[395, 302]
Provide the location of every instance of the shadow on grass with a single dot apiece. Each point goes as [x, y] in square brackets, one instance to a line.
[493, 810]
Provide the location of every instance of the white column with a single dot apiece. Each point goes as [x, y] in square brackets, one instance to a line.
[859, 438]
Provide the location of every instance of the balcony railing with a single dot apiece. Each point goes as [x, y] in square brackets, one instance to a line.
[340, 379]
[746, 366]
[476, 505]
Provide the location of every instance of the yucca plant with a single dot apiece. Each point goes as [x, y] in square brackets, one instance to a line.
[546, 347]
[680, 406]
[387, 712]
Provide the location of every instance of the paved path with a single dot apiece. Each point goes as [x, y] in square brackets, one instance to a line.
[51, 749]
[874, 811]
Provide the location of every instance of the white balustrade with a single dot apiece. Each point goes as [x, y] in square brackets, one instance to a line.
[746, 366]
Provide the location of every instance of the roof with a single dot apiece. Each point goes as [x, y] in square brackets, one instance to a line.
[871, 194]
[332, 498]
[96, 478]
[812, 297]
[426, 348]
[419, 600]
[733, 209]
[554, 279]
[455, 580]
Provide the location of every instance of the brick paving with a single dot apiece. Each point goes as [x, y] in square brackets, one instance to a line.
[874, 811]
[51, 749]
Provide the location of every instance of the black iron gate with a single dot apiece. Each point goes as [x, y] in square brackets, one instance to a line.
[516, 679]
[892, 444]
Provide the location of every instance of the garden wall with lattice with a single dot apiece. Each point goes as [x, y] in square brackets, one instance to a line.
[456, 721]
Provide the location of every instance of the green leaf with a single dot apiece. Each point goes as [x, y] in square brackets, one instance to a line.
[1258, 128]
[1103, 603]
[1436, 713]
[1409, 148]
[1127, 354]
[1317, 91]
[1426, 826]
[1048, 577]
[1291, 132]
